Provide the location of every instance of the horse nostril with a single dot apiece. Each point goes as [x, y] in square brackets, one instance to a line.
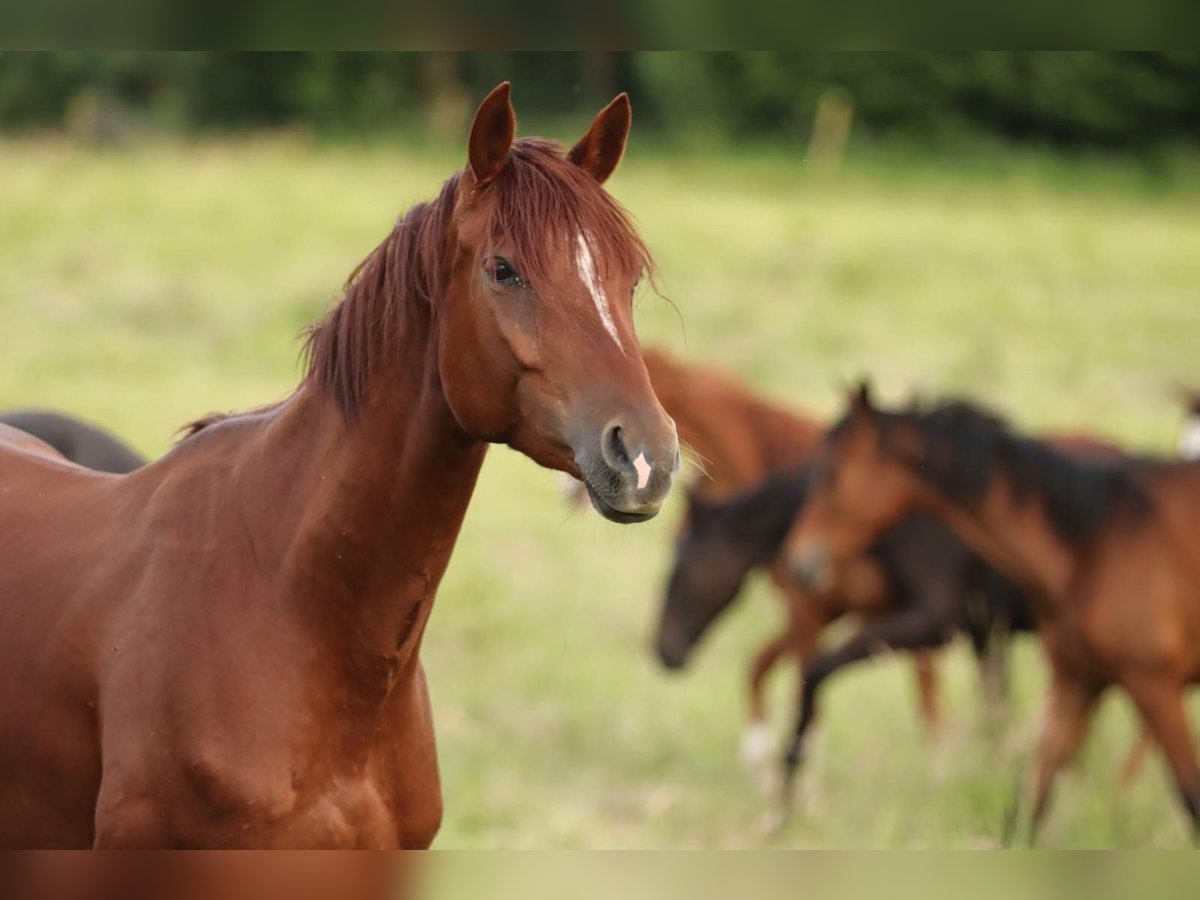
[612, 443]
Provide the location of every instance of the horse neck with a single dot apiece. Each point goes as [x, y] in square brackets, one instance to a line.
[763, 517]
[738, 438]
[386, 491]
[1015, 534]
[788, 439]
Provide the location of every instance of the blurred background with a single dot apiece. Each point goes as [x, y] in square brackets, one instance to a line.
[1022, 228]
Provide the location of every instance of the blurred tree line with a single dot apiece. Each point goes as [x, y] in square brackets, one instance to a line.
[1120, 100]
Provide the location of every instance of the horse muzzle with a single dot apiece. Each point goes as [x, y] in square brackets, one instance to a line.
[628, 479]
[672, 648]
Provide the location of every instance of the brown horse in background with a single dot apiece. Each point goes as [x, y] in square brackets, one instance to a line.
[222, 648]
[1109, 553]
[739, 439]
[737, 436]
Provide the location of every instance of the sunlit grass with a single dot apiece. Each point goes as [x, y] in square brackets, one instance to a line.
[144, 286]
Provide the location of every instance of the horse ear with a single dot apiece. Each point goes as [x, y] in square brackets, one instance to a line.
[492, 135]
[600, 150]
[860, 397]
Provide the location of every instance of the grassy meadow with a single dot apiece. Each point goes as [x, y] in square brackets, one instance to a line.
[144, 285]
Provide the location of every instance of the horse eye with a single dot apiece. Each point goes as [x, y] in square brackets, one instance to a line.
[502, 272]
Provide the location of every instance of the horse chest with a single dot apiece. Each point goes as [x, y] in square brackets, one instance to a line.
[262, 758]
[367, 783]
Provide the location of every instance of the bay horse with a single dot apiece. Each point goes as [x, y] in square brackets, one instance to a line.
[79, 441]
[221, 649]
[914, 588]
[1108, 552]
[740, 438]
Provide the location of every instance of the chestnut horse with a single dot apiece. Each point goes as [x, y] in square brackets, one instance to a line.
[739, 439]
[222, 648]
[1108, 552]
[78, 441]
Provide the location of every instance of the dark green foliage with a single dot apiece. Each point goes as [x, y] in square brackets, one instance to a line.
[1106, 99]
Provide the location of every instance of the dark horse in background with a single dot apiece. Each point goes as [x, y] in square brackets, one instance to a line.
[933, 587]
[1107, 551]
[76, 440]
[222, 648]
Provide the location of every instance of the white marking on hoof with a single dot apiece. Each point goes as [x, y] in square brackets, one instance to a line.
[757, 755]
[757, 742]
[643, 470]
[587, 273]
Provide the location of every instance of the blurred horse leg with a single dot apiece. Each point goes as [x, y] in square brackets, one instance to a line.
[925, 667]
[755, 751]
[1068, 712]
[908, 629]
[1135, 759]
[1160, 701]
[799, 638]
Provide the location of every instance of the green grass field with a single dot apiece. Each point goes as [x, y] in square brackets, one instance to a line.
[143, 286]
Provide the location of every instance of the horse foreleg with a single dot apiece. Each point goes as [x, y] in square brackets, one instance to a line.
[1066, 718]
[910, 629]
[755, 751]
[764, 661]
[1160, 702]
[799, 638]
[1135, 759]
[925, 667]
[992, 657]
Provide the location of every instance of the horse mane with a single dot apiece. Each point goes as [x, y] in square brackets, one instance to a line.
[542, 201]
[194, 427]
[965, 446]
[760, 515]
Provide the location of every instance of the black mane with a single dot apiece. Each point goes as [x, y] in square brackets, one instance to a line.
[965, 446]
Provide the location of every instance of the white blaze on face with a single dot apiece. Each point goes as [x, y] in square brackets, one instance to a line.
[587, 274]
[643, 471]
[1189, 441]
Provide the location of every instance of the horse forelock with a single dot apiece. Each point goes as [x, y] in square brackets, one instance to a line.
[546, 206]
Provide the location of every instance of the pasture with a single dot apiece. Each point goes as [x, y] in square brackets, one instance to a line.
[145, 285]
